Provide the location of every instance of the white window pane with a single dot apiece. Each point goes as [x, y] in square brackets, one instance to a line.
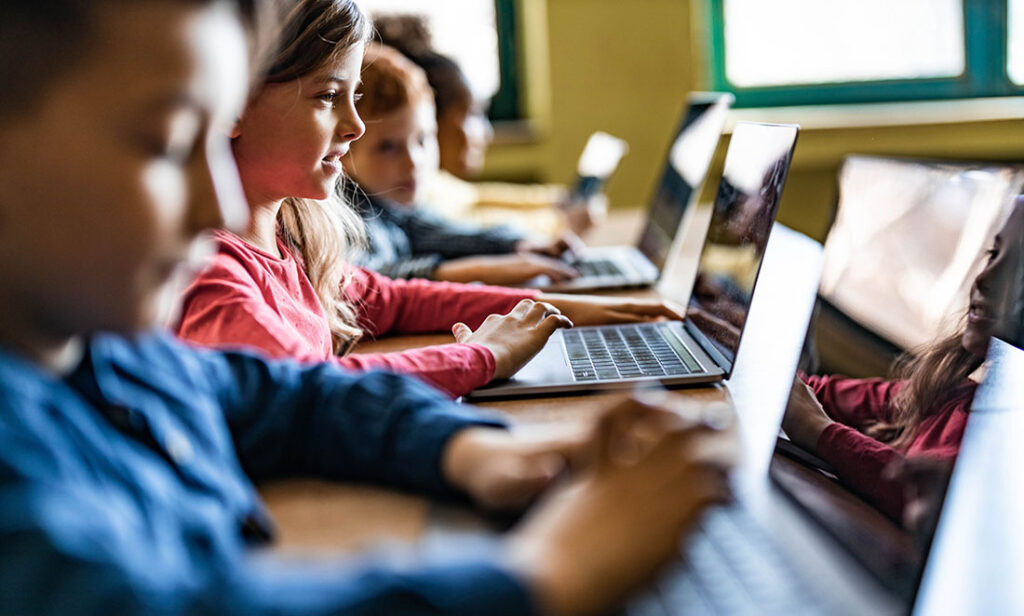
[464, 30]
[781, 42]
[1015, 42]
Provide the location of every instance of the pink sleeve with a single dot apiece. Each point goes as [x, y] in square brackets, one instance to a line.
[855, 402]
[220, 310]
[455, 369]
[859, 461]
[419, 306]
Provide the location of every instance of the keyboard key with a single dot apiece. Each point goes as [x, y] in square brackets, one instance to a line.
[627, 351]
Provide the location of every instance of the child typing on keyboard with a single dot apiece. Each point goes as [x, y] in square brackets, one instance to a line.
[127, 459]
[282, 285]
[393, 164]
[463, 136]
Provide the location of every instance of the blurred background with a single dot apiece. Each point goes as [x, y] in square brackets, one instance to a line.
[917, 78]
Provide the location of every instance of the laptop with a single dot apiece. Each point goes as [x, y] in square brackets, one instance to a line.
[686, 165]
[598, 161]
[782, 549]
[702, 348]
[974, 565]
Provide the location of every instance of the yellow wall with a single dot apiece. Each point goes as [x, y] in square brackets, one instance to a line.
[601, 66]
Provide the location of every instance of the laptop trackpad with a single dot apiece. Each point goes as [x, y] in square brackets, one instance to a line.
[548, 366]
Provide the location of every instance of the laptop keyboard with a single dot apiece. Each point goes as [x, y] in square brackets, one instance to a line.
[598, 268]
[627, 351]
[731, 565]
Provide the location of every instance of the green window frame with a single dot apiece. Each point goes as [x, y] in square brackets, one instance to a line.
[985, 47]
[505, 105]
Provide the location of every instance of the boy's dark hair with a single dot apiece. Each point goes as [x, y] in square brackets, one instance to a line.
[42, 39]
[410, 35]
[38, 41]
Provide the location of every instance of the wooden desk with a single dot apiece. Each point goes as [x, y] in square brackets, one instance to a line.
[319, 516]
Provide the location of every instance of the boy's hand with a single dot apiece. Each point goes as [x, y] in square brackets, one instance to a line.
[595, 310]
[503, 269]
[504, 470]
[516, 337]
[652, 472]
[566, 245]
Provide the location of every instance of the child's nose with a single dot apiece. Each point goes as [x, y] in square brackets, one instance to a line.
[410, 159]
[350, 126]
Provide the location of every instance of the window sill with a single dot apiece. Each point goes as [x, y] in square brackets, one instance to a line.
[516, 132]
[873, 115]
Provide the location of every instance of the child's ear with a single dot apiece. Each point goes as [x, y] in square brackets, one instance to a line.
[236, 128]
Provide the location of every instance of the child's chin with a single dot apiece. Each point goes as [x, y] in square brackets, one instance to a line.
[321, 193]
[975, 343]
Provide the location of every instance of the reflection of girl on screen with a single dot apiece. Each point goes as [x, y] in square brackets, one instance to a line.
[746, 218]
[732, 255]
[862, 426]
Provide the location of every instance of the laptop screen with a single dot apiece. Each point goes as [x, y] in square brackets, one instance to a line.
[744, 210]
[686, 165]
[905, 477]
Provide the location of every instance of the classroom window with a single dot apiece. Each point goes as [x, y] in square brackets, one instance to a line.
[790, 52]
[480, 36]
[1015, 38]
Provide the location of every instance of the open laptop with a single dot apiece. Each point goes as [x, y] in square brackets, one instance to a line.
[686, 165]
[702, 348]
[783, 548]
[975, 564]
[598, 161]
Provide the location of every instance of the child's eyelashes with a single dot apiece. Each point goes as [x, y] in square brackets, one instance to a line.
[332, 98]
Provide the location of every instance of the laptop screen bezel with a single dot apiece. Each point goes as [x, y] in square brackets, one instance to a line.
[694, 99]
[703, 339]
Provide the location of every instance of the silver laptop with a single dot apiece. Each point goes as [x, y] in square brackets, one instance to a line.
[702, 348]
[686, 165]
[789, 546]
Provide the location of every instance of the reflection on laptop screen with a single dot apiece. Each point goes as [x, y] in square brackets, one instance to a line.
[687, 163]
[745, 206]
[905, 477]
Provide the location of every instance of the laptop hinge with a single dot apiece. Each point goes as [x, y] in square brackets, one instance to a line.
[708, 347]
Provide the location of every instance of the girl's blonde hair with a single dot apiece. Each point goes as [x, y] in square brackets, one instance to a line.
[933, 376]
[321, 233]
[938, 374]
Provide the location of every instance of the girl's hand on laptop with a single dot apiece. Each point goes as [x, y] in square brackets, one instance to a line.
[516, 337]
[805, 419]
[503, 269]
[924, 479]
[597, 310]
[588, 544]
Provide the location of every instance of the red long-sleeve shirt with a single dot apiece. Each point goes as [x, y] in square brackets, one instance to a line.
[856, 404]
[250, 298]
